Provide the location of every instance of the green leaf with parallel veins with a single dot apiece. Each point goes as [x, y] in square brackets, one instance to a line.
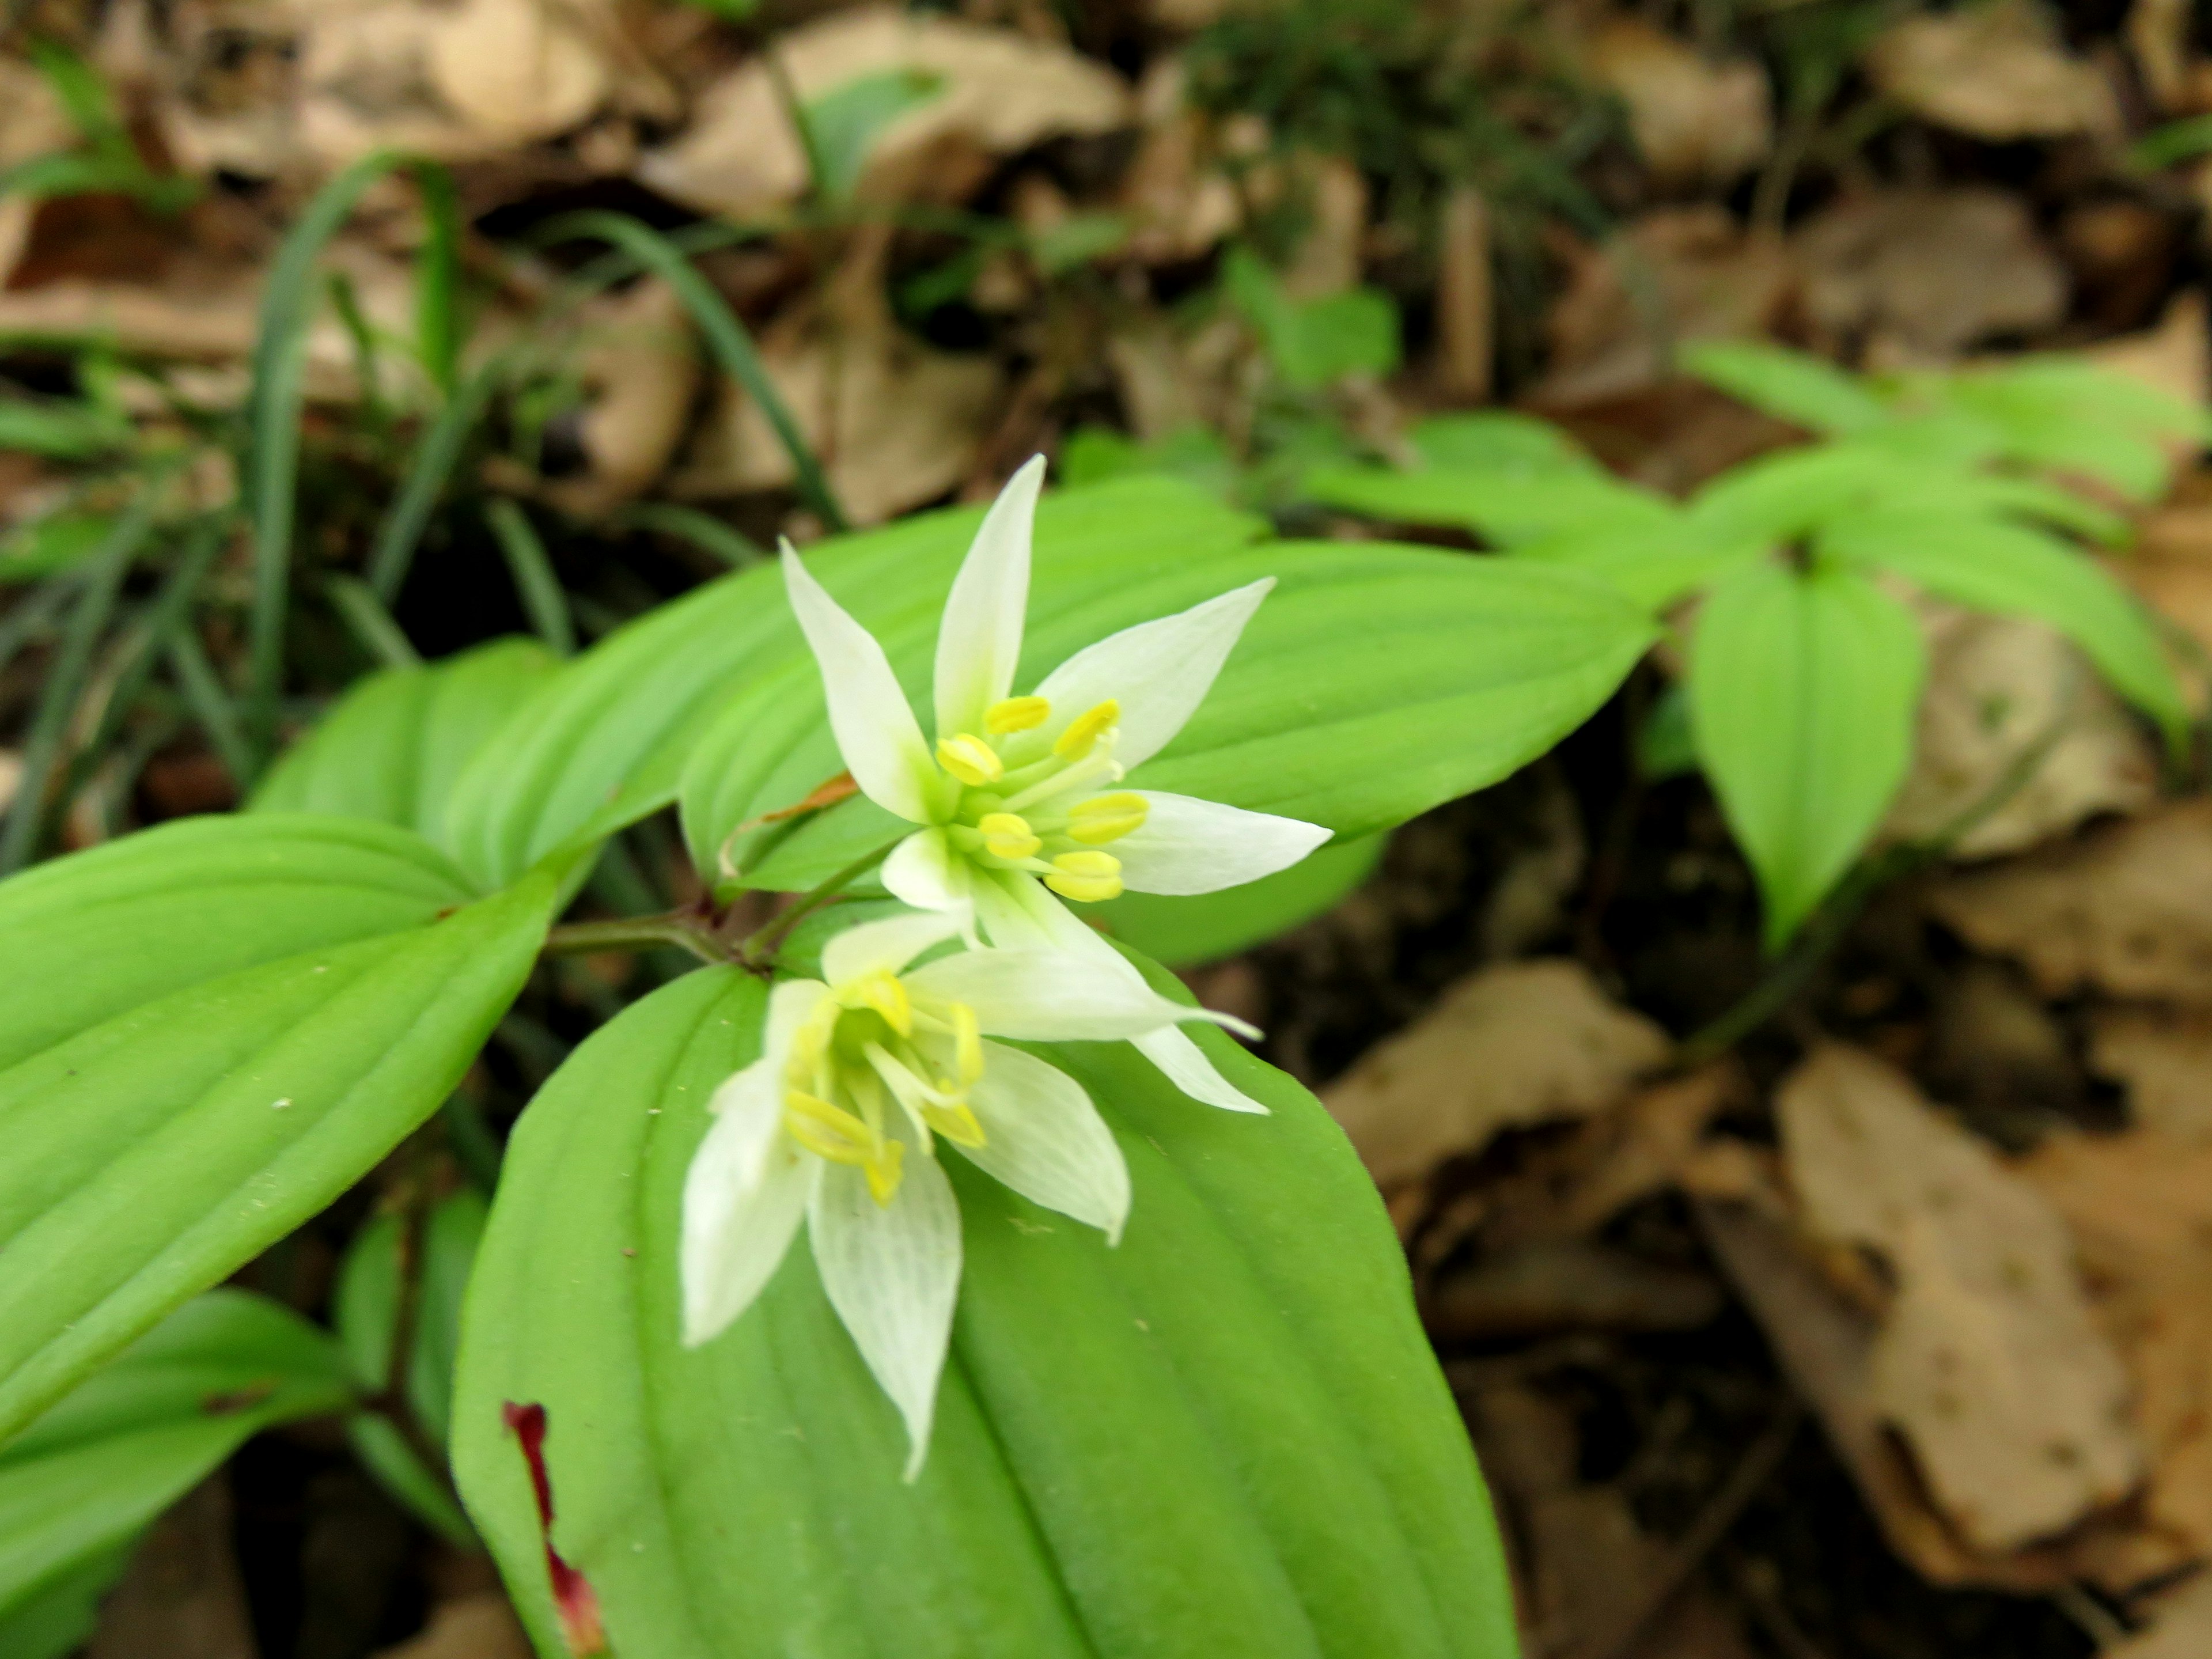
[1805, 391]
[604, 741]
[1375, 682]
[86, 1478]
[1225, 1436]
[2016, 571]
[1802, 691]
[1505, 509]
[212, 1030]
[392, 747]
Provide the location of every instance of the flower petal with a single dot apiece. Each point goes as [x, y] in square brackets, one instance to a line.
[876, 730]
[893, 1272]
[922, 871]
[743, 1197]
[1053, 996]
[884, 946]
[789, 1006]
[1043, 1137]
[1159, 672]
[1191, 846]
[979, 639]
[1185, 1064]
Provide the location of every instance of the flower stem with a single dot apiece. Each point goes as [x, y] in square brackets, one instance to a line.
[760, 946]
[579, 939]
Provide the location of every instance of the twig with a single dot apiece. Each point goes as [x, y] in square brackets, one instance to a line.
[584, 939]
[759, 946]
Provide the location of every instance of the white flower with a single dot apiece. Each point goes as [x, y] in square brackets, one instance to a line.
[862, 1074]
[1021, 794]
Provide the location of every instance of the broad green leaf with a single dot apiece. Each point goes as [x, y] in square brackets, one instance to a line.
[81, 1482]
[604, 741]
[212, 1030]
[55, 1621]
[1803, 692]
[1227, 1435]
[1505, 507]
[1651, 566]
[1312, 342]
[1196, 454]
[1375, 682]
[2016, 571]
[2073, 416]
[1183, 932]
[392, 747]
[1803, 390]
[1497, 440]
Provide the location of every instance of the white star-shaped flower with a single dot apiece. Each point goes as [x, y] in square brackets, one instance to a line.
[863, 1073]
[1018, 803]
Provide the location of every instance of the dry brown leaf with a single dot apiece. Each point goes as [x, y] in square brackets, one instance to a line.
[999, 92]
[516, 70]
[2164, 1059]
[1643, 1147]
[1996, 687]
[1527, 1043]
[2174, 357]
[2181, 1628]
[1927, 273]
[1712, 281]
[1328, 258]
[32, 123]
[2157, 34]
[1696, 123]
[1997, 71]
[181, 1597]
[640, 369]
[2140, 1208]
[1989, 1362]
[2126, 908]
[1568, 1284]
[482, 1627]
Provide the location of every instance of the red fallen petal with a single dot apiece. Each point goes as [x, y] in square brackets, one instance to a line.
[573, 1596]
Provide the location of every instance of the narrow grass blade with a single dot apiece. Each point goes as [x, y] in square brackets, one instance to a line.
[436, 454]
[726, 337]
[438, 320]
[211, 706]
[65, 680]
[732, 547]
[364, 615]
[272, 461]
[543, 601]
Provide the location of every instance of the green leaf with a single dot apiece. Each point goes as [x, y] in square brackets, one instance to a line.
[2016, 571]
[58, 541]
[212, 1030]
[1313, 342]
[60, 431]
[844, 123]
[1505, 509]
[1227, 1435]
[1803, 692]
[1803, 390]
[1497, 440]
[2072, 416]
[1375, 682]
[1651, 566]
[81, 1482]
[1183, 932]
[604, 741]
[55, 1621]
[393, 746]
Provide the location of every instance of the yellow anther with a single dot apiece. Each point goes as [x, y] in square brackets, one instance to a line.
[1015, 715]
[828, 1131]
[884, 1170]
[970, 759]
[1008, 835]
[967, 1043]
[1085, 729]
[885, 993]
[956, 1123]
[1106, 817]
[1087, 878]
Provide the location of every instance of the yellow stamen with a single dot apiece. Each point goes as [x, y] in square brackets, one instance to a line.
[1087, 878]
[828, 1131]
[1106, 817]
[1008, 835]
[958, 1124]
[1085, 730]
[967, 1043]
[885, 1171]
[970, 759]
[885, 993]
[1010, 715]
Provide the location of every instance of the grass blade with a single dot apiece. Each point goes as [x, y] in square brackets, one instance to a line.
[725, 336]
[438, 322]
[435, 455]
[732, 547]
[65, 680]
[272, 461]
[211, 705]
[543, 601]
[364, 615]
